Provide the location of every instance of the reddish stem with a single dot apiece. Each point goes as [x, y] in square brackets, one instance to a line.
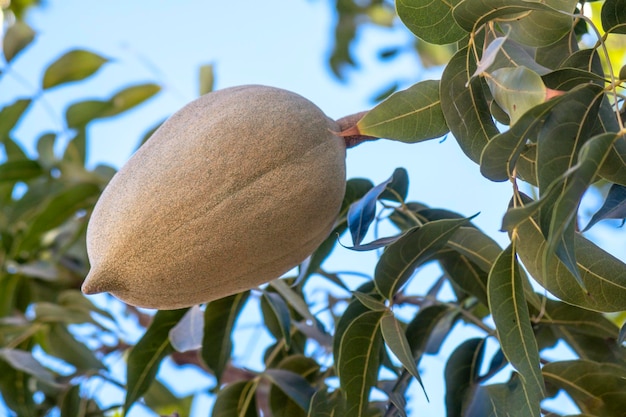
[349, 130]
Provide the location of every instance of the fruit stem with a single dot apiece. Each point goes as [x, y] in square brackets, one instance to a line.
[349, 130]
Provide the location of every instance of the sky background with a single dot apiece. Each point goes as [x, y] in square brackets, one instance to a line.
[280, 43]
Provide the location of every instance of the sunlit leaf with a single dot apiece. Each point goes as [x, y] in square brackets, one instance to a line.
[543, 27]
[411, 115]
[597, 388]
[10, 115]
[430, 20]
[17, 37]
[145, 357]
[206, 79]
[509, 310]
[161, 400]
[236, 400]
[188, 332]
[461, 375]
[516, 90]
[464, 105]
[399, 261]
[219, 321]
[74, 65]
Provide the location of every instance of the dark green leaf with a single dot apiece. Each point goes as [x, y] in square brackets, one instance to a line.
[280, 311]
[358, 361]
[596, 388]
[236, 400]
[431, 21]
[145, 357]
[295, 386]
[307, 369]
[396, 341]
[417, 246]
[17, 37]
[614, 206]
[219, 321]
[370, 302]
[507, 399]
[464, 105]
[10, 115]
[323, 405]
[20, 170]
[73, 405]
[59, 342]
[412, 115]
[189, 331]
[613, 16]
[426, 332]
[509, 310]
[363, 212]
[398, 188]
[461, 375]
[75, 65]
[578, 320]
[465, 274]
[15, 388]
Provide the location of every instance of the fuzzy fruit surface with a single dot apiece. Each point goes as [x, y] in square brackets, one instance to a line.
[232, 191]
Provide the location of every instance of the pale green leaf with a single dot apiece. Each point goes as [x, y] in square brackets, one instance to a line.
[17, 37]
[411, 115]
[74, 65]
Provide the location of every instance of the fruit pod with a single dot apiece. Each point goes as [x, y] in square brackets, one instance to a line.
[232, 191]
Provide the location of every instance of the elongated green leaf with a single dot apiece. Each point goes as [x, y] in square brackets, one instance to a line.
[75, 65]
[284, 403]
[280, 311]
[461, 375]
[80, 113]
[542, 28]
[597, 388]
[161, 400]
[22, 360]
[412, 115]
[464, 105]
[219, 321]
[509, 54]
[614, 16]
[57, 340]
[426, 332]
[508, 399]
[16, 391]
[188, 332]
[370, 302]
[465, 274]
[578, 320]
[323, 405]
[509, 310]
[399, 261]
[358, 361]
[145, 357]
[296, 387]
[396, 341]
[236, 400]
[17, 37]
[430, 20]
[603, 275]
[499, 157]
[476, 245]
[20, 170]
[58, 209]
[10, 115]
[73, 405]
[614, 206]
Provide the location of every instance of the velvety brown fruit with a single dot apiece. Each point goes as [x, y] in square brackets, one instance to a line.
[232, 191]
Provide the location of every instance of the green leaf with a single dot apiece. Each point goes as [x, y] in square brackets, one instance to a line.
[603, 275]
[426, 332]
[59, 342]
[465, 274]
[73, 405]
[430, 20]
[464, 105]
[613, 16]
[74, 65]
[614, 206]
[17, 37]
[578, 320]
[461, 375]
[206, 78]
[542, 28]
[370, 302]
[188, 332]
[411, 115]
[358, 361]
[280, 311]
[219, 321]
[20, 170]
[476, 245]
[145, 357]
[396, 341]
[10, 115]
[236, 400]
[162, 401]
[323, 405]
[61, 207]
[15, 387]
[516, 90]
[282, 402]
[293, 385]
[596, 388]
[417, 246]
[510, 315]
[509, 399]
[24, 361]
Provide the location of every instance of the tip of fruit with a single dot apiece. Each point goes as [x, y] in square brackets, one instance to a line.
[96, 283]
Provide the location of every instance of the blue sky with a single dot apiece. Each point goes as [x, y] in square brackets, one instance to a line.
[279, 43]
